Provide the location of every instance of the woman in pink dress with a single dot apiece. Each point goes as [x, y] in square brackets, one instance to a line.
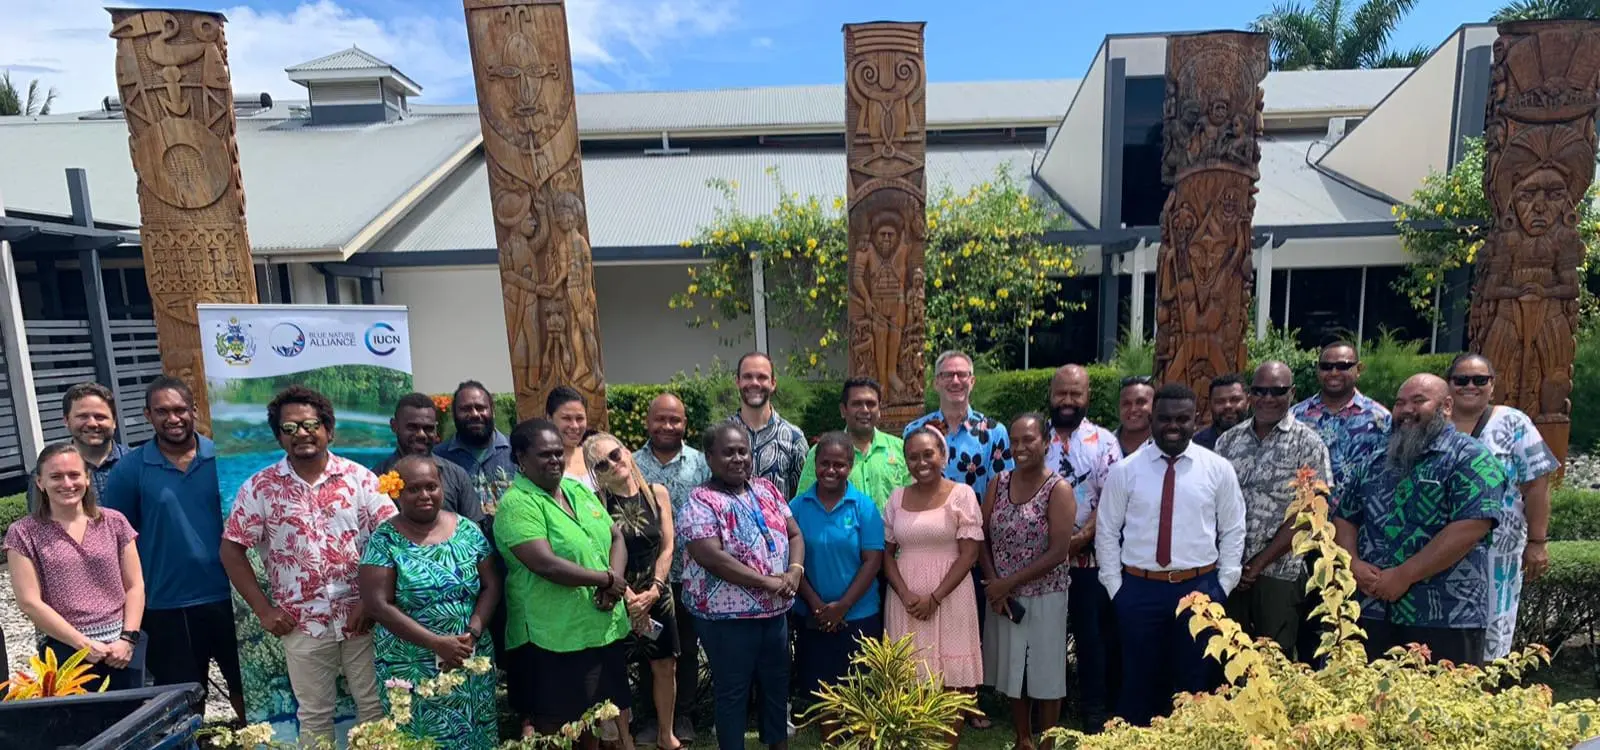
[933, 532]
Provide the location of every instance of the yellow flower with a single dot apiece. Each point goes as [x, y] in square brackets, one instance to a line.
[966, 328]
[932, 223]
[717, 235]
[838, 203]
[686, 243]
[822, 279]
[734, 238]
[733, 184]
[822, 341]
[1002, 293]
[813, 360]
[1438, 208]
[391, 484]
[938, 283]
[716, 294]
[811, 243]
[974, 301]
[813, 294]
[693, 288]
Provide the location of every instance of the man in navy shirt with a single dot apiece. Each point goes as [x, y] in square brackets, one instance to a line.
[90, 413]
[168, 490]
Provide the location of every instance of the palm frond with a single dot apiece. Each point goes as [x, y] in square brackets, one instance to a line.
[1529, 10]
[10, 101]
[1408, 59]
[1370, 28]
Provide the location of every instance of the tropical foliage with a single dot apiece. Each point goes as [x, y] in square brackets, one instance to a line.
[884, 704]
[1529, 10]
[1457, 197]
[1337, 35]
[14, 102]
[987, 274]
[50, 679]
[1400, 700]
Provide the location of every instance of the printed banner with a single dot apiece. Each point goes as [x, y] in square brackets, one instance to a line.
[357, 356]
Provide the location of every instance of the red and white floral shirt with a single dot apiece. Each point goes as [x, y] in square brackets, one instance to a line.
[310, 538]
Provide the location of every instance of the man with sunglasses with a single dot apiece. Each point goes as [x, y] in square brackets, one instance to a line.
[416, 431]
[1267, 453]
[310, 515]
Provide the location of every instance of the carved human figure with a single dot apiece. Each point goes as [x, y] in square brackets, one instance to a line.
[580, 286]
[879, 287]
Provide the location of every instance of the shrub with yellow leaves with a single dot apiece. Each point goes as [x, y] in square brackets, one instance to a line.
[50, 679]
[1399, 701]
[988, 275]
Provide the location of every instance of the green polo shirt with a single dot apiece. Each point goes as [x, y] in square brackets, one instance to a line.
[549, 615]
[877, 472]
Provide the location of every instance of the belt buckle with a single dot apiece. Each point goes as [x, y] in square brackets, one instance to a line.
[1170, 574]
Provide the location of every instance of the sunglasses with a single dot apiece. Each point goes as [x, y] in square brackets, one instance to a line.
[1275, 391]
[1136, 380]
[603, 466]
[1331, 366]
[310, 426]
[1461, 381]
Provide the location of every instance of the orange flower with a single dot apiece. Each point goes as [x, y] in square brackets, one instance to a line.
[391, 484]
[442, 403]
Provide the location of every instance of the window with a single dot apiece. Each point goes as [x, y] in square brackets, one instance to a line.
[1142, 190]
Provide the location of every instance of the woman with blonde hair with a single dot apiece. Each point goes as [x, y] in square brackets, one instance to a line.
[75, 571]
[643, 513]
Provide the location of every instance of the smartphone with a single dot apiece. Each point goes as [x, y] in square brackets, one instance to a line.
[653, 629]
[1016, 609]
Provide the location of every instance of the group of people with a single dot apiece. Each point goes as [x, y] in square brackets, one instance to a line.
[567, 555]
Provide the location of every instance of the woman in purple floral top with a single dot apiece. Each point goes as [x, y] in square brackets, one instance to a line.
[744, 568]
[1028, 516]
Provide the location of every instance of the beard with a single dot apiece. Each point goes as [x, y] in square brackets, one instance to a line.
[755, 399]
[1225, 422]
[1408, 442]
[1066, 417]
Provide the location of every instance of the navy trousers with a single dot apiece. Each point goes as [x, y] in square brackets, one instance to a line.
[1096, 645]
[745, 654]
[1159, 657]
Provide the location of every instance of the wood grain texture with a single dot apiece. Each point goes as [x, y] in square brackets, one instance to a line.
[886, 150]
[523, 68]
[177, 99]
[1539, 160]
[1211, 159]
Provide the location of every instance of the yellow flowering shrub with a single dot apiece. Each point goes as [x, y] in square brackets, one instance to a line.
[1457, 196]
[1399, 701]
[987, 273]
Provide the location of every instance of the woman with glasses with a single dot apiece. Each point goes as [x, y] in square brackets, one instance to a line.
[643, 515]
[1518, 544]
[75, 571]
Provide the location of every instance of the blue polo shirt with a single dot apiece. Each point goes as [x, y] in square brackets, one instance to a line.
[834, 542]
[178, 515]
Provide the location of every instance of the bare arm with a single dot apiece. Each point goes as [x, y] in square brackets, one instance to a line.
[489, 586]
[1062, 508]
[1282, 541]
[377, 593]
[669, 536]
[1536, 499]
[618, 563]
[542, 560]
[1344, 533]
[891, 571]
[716, 560]
[1084, 538]
[25, 583]
[133, 586]
[797, 544]
[242, 576]
[1447, 547]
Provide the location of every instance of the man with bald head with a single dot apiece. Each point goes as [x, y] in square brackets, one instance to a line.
[1267, 452]
[666, 460]
[1415, 518]
[1083, 452]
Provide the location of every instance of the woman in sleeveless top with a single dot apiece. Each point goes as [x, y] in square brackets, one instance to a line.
[1028, 521]
[643, 513]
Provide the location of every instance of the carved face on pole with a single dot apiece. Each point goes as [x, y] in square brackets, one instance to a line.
[1218, 113]
[1541, 200]
[569, 210]
[886, 235]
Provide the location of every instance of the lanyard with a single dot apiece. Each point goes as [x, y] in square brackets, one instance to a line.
[753, 511]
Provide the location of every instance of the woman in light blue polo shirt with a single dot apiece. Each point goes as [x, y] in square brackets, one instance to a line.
[838, 599]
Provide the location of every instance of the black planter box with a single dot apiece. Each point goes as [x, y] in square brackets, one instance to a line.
[164, 718]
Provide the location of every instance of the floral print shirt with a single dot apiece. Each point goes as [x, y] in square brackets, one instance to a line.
[1352, 434]
[1084, 460]
[753, 527]
[777, 453]
[310, 537]
[1020, 534]
[680, 476]
[978, 449]
[1267, 469]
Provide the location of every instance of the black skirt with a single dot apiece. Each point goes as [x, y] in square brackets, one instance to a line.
[555, 687]
[665, 645]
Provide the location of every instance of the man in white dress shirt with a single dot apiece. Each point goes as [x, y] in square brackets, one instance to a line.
[1171, 522]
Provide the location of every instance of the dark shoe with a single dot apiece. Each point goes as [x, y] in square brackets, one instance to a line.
[684, 728]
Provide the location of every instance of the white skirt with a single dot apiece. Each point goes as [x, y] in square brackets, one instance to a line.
[1032, 652]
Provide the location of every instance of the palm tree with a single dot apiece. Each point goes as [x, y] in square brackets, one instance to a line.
[1337, 35]
[13, 103]
[1529, 10]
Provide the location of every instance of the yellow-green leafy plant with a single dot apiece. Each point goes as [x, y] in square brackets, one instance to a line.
[50, 679]
[1399, 701]
[988, 276]
[884, 704]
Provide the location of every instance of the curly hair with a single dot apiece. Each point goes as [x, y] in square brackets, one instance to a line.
[299, 394]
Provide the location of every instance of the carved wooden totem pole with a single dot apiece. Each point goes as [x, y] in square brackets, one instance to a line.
[885, 149]
[1538, 163]
[172, 76]
[1210, 160]
[523, 68]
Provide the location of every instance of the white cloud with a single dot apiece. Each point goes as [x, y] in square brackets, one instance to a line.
[65, 43]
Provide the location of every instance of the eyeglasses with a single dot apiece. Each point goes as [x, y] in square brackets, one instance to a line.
[310, 426]
[603, 466]
[1331, 366]
[1461, 381]
[953, 375]
[1136, 380]
[1275, 391]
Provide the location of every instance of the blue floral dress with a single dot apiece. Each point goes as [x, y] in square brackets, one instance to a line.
[436, 585]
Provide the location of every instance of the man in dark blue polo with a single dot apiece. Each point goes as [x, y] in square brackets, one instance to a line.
[168, 490]
[90, 413]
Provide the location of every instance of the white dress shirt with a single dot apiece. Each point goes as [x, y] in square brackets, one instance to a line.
[1207, 516]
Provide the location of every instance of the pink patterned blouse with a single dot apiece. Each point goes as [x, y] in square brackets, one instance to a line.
[1021, 533]
[81, 581]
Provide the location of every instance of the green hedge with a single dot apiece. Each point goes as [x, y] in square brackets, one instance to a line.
[12, 508]
[1566, 601]
[1574, 514]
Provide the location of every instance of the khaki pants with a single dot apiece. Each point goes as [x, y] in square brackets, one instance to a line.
[314, 668]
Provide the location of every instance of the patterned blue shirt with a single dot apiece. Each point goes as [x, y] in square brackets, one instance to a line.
[493, 470]
[680, 476]
[979, 449]
[777, 452]
[1396, 514]
[1352, 434]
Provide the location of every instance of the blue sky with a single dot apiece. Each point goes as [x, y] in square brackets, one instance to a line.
[621, 45]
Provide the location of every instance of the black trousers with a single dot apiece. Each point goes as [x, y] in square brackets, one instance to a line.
[1459, 645]
[184, 641]
[688, 670]
[128, 678]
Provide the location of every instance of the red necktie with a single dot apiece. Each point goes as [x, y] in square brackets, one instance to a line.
[1164, 535]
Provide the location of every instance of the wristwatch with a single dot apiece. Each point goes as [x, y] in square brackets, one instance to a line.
[131, 636]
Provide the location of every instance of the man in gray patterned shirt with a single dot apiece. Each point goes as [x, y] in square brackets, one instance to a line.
[777, 447]
[1267, 451]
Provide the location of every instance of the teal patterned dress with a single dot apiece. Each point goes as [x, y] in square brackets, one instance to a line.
[437, 585]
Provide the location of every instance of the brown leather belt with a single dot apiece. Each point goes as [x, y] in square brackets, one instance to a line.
[1169, 576]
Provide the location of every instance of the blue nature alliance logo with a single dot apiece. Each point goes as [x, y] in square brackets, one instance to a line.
[287, 340]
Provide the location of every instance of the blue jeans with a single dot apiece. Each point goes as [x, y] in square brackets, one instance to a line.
[1159, 657]
[1095, 644]
[745, 654]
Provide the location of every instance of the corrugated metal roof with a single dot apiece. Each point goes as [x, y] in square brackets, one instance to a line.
[305, 188]
[354, 58]
[637, 200]
[1293, 192]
